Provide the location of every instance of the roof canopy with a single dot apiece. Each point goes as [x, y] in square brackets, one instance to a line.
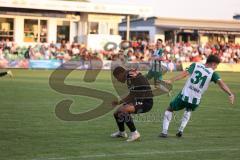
[226, 25]
[59, 5]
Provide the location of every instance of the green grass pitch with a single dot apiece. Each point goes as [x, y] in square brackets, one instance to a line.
[30, 130]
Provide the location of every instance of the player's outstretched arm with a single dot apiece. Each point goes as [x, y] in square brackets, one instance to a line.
[180, 76]
[226, 89]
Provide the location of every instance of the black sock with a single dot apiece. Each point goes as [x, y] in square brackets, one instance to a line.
[129, 121]
[3, 74]
[120, 121]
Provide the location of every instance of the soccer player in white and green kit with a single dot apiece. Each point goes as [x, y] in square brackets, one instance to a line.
[156, 66]
[200, 76]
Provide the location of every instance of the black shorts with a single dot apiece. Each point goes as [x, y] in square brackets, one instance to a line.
[143, 106]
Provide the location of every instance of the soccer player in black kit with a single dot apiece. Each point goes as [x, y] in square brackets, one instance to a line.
[139, 100]
[2, 74]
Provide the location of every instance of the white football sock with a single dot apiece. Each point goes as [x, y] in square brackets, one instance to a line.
[166, 120]
[184, 121]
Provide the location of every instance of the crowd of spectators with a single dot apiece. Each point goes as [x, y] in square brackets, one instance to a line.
[136, 51]
[187, 52]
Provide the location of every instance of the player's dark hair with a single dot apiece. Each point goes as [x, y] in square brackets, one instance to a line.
[160, 40]
[213, 59]
[118, 70]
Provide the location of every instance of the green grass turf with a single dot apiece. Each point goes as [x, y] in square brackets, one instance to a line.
[30, 130]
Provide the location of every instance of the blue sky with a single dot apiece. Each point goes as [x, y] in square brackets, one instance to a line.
[199, 9]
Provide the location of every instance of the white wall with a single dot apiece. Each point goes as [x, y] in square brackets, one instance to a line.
[52, 30]
[19, 30]
[99, 41]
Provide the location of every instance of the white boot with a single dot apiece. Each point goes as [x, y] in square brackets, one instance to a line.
[133, 136]
[119, 134]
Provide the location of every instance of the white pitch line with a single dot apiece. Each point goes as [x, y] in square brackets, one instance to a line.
[138, 154]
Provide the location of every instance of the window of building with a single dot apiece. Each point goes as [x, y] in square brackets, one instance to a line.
[43, 31]
[142, 35]
[123, 34]
[6, 28]
[93, 27]
[169, 36]
[63, 31]
[35, 30]
[231, 38]
[30, 30]
[194, 37]
[216, 38]
[187, 37]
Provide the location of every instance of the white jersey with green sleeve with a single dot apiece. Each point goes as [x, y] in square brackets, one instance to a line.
[156, 64]
[198, 82]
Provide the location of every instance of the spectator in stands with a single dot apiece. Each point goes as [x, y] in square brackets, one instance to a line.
[75, 49]
[142, 51]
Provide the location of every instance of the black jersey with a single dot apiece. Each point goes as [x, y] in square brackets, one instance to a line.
[139, 88]
[3, 74]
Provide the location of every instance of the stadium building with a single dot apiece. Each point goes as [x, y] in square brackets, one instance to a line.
[186, 30]
[28, 22]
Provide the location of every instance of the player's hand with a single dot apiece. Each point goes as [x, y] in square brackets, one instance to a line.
[231, 98]
[115, 103]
